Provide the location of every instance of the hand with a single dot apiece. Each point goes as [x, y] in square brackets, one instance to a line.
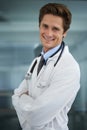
[27, 93]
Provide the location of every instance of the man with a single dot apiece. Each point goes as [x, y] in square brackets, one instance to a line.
[45, 96]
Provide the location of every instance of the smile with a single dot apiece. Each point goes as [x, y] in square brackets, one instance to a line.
[48, 38]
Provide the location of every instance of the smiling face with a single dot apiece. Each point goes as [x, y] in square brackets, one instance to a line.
[51, 31]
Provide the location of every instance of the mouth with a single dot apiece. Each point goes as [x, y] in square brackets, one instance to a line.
[48, 38]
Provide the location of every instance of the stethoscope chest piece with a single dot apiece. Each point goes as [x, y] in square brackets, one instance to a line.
[28, 76]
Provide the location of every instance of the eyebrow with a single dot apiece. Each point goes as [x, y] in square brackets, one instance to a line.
[53, 28]
[44, 25]
[56, 28]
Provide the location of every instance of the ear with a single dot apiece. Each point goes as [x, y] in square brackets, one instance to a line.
[64, 35]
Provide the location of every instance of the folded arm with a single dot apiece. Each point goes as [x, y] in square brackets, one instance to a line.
[60, 92]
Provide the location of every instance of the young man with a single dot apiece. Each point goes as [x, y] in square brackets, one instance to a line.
[45, 96]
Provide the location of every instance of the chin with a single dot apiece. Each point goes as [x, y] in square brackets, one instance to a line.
[47, 48]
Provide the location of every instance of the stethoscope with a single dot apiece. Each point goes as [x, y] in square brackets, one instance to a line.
[29, 74]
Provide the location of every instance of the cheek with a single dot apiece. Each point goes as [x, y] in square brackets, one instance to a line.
[40, 33]
[41, 30]
[58, 39]
[59, 36]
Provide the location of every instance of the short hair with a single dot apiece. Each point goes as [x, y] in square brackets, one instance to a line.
[57, 9]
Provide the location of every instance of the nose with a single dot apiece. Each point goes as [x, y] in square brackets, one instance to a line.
[49, 32]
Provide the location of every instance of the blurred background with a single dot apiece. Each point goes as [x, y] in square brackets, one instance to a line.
[19, 44]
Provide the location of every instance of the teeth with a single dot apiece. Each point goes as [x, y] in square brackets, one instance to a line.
[48, 38]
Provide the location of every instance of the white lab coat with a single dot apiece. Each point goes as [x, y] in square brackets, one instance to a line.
[51, 94]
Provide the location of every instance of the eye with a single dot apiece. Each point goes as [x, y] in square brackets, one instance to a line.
[45, 26]
[55, 29]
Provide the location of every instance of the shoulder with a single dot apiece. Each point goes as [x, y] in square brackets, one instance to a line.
[68, 64]
[68, 59]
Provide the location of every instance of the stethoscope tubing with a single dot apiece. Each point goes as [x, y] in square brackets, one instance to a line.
[35, 62]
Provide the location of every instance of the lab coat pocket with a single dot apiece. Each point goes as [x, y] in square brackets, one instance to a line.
[39, 89]
[42, 85]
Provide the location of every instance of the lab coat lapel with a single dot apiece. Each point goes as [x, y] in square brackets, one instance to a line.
[45, 74]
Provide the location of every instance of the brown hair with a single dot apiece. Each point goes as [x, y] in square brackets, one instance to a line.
[57, 10]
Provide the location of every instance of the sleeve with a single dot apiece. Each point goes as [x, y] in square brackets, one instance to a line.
[23, 88]
[60, 92]
[15, 102]
[24, 85]
[21, 116]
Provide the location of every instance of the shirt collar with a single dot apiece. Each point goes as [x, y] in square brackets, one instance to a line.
[50, 52]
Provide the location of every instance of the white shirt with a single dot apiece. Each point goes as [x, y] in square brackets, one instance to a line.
[51, 94]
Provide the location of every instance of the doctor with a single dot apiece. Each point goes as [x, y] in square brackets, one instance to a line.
[45, 96]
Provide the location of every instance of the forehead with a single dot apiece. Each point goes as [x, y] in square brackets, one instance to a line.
[52, 20]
